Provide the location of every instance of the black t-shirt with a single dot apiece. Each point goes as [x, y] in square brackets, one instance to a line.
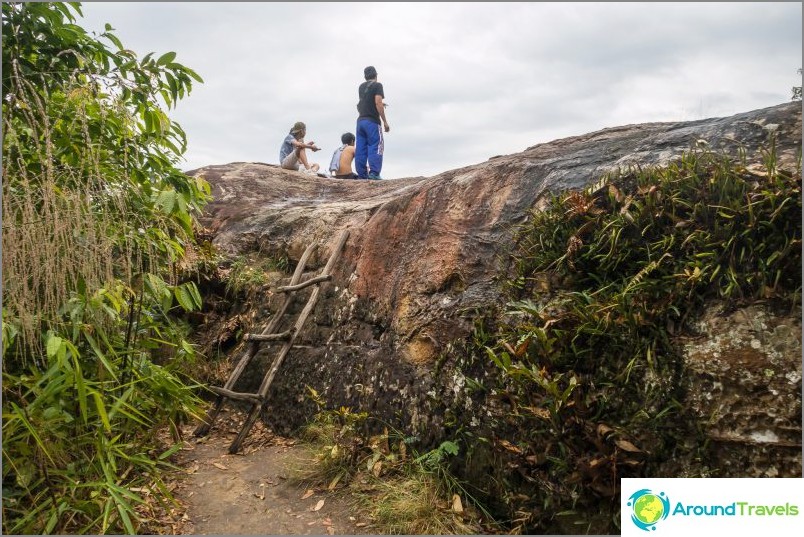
[366, 109]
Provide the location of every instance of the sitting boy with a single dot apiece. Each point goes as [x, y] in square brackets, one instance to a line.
[293, 148]
[341, 164]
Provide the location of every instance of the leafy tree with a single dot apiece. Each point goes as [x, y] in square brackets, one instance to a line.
[97, 222]
[797, 90]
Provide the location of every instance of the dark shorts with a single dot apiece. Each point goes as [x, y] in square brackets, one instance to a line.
[347, 176]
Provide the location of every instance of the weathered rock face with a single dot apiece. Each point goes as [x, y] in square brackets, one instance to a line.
[424, 255]
[745, 370]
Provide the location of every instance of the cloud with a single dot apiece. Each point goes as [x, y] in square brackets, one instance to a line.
[465, 81]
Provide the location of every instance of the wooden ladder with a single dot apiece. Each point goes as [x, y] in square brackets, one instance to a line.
[268, 335]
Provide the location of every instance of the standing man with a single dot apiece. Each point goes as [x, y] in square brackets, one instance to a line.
[370, 110]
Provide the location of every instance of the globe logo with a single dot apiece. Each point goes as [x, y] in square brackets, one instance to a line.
[648, 508]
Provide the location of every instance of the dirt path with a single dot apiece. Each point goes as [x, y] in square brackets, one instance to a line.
[253, 492]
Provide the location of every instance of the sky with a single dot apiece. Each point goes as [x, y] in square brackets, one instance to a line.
[464, 81]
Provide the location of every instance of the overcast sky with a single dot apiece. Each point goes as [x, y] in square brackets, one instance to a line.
[464, 81]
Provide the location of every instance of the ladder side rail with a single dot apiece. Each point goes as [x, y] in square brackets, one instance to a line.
[297, 274]
[269, 377]
[248, 354]
[336, 252]
[214, 410]
[308, 308]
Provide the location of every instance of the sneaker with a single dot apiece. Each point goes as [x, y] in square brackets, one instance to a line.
[374, 177]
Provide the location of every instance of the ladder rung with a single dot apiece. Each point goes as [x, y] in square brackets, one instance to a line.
[253, 397]
[268, 337]
[302, 285]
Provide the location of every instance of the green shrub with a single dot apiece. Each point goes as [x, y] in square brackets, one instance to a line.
[602, 281]
[96, 221]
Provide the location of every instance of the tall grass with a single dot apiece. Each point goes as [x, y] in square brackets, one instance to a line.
[95, 221]
[61, 223]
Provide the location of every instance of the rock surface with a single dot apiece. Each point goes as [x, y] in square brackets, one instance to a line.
[423, 257]
[745, 369]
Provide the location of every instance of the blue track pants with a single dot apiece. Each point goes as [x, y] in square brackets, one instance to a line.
[369, 147]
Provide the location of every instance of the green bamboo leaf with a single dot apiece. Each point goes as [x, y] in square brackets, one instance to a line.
[188, 348]
[173, 449]
[30, 428]
[102, 411]
[124, 508]
[54, 518]
[99, 354]
[131, 413]
[80, 386]
[107, 515]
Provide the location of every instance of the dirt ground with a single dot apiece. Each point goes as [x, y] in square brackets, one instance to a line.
[255, 492]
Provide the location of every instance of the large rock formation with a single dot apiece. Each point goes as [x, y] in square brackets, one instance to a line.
[423, 258]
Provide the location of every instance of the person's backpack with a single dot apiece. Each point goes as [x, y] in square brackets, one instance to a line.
[335, 163]
[360, 95]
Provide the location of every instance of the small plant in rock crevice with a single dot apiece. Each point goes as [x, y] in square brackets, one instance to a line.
[399, 490]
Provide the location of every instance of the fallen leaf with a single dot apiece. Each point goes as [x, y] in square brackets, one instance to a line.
[597, 461]
[457, 505]
[625, 445]
[326, 522]
[219, 465]
[361, 524]
[311, 523]
[536, 459]
[319, 505]
[510, 447]
[509, 348]
[334, 482]
[330, 530]
[603, 429]
[307, 494]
